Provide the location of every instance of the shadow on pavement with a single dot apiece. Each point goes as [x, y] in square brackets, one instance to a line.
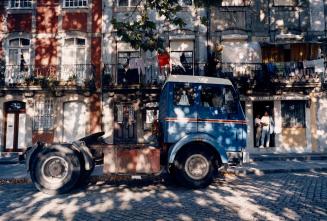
[271, 197]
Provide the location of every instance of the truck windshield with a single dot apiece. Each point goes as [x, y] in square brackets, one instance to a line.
[220, 97]
[184, 95]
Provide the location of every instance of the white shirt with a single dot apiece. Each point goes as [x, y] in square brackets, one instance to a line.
[266, 121]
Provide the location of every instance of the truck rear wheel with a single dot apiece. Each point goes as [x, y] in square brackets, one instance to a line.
[194, 168]
[54, 172]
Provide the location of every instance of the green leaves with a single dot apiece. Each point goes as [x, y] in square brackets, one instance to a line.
[145, 32]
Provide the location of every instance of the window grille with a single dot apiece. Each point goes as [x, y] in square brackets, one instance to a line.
[44, 116]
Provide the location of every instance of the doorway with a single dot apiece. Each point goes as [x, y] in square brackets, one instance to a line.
[15, 120]
[125, 123]
[259, 109]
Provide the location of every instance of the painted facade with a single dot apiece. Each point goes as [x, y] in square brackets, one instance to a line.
[51, 53]
[73, 44]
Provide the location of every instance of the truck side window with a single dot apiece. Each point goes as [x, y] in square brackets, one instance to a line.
[212, 97]
[184, 95]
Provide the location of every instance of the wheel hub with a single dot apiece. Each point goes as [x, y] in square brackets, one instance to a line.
[55, 169]
[197, 166]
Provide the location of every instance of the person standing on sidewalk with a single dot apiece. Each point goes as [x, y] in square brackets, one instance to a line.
[267, 124]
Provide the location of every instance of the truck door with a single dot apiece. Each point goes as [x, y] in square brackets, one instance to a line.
[183, 114]
[218, 115]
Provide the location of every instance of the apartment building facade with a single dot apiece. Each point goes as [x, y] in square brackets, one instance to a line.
[66, 73]
[51, 60]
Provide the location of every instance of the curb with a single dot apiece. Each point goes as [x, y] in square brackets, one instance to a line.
[258, 172]
[281, 158]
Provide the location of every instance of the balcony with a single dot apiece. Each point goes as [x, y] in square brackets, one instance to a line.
[50, 76]
[273, 77]
[112, 76]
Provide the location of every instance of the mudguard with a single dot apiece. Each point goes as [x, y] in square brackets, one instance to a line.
[204, 138]
[31, 152]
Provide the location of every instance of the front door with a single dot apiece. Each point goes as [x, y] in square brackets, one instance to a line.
[125, 123]
[15, 118]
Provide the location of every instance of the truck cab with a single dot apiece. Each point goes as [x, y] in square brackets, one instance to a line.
[201, 117]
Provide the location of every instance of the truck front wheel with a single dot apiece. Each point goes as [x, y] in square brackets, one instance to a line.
[54, 172]
[194, 168]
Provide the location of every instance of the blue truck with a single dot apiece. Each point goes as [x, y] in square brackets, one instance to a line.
[201, 127]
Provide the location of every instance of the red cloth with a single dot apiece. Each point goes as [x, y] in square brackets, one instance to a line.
[163, 59]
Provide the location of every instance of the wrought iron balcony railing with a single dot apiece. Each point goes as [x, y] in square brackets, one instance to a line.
[31, 75]
[268, 76]
[114, 75]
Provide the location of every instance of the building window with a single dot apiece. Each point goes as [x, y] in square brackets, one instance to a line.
[285, 2]
[75, 3]
[20, 3]
[74, 59]
[127, 3]
[235, 2]
[74, 51]
[129, 67]
[18, 67]
[19, 51]
[293, 114]
[181, 57]
[44, 116]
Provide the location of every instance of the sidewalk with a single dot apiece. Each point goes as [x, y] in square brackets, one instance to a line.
[260, 165]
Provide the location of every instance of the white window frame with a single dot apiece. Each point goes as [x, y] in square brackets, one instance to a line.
[16, 73]
[68, 67]
[19, 47]
[180, 50]
[75, 46]
[72, 3]
[283, 3]
[43, 120]
[20, 4]
[129, 4]
[241, 3]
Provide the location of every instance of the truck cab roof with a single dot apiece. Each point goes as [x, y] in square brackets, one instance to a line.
[198, 79]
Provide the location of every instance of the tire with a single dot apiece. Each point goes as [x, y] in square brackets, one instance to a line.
[54, 172]
[187, 171]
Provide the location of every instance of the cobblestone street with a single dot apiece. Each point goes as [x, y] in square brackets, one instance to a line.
[296, 196]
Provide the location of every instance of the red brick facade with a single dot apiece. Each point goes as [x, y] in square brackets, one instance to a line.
[46, 19]
[46, 51]
[19, 23]
[75, 21]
